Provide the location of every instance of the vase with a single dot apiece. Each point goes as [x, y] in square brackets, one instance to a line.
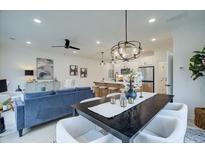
[131, 94]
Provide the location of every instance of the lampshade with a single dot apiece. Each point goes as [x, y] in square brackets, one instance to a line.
[28, 72]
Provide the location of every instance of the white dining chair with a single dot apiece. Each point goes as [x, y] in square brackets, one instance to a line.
[113, 94]
[162, 129]
[90, 99]
[109, 138]
[77, 130]
[178, 110]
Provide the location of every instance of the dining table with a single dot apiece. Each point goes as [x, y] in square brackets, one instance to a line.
[126, 123]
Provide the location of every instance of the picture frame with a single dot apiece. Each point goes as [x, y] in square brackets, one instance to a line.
[73, 70]
[83, 72]
[44, 69]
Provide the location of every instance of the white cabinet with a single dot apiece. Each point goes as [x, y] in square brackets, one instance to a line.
[42, 86]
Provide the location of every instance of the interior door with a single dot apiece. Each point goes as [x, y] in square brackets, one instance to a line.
[169, 83]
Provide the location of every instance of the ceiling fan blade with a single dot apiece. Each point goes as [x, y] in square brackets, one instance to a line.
[57, 46]
[74, 48]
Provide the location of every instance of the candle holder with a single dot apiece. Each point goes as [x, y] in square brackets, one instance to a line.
[141, 89]
[112, 100]
[123, 100]
[130, 100]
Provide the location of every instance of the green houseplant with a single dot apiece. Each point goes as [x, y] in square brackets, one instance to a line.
[197, 67]
[197, 64]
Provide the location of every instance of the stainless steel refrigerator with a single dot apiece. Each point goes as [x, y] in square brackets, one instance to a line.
[148, 78]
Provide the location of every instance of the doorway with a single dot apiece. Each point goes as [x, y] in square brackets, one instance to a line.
[169, 83]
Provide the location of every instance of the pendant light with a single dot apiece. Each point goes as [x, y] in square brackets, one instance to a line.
[126, 50]
[102, 63]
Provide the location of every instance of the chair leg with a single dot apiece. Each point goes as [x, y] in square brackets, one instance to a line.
[75, 113]
[20, 132]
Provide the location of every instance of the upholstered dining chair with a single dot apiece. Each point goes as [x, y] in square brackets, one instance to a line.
[113, 94]
[77, 130]
[178, 110]
[90, 99]
[162, 129]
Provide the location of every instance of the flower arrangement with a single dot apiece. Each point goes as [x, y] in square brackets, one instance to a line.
[132, 82]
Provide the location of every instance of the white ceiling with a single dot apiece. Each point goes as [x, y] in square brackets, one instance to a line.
[84, 28]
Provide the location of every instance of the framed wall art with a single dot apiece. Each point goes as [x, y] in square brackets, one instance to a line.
[44, 69]
[83, 72]
[73, 70]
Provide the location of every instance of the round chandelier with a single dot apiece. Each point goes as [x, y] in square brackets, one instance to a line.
[126, 50]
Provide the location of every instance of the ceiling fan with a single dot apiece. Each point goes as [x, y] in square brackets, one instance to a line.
[67, 45]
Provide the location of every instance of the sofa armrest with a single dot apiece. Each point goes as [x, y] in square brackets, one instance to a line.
[19, 114]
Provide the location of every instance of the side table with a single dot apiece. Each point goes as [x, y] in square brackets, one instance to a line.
[13, 97]
[2, 122]
[200, 117]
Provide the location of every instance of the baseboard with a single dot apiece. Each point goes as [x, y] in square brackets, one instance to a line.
[191, 117]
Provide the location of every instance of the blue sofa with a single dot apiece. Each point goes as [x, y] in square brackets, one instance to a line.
[38, 108]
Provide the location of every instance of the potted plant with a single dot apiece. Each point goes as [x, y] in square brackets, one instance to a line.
[197, 64]
[197, 67]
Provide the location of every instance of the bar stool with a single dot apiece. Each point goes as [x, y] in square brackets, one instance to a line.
[96, 90]
[103, 91]
[121, 90]
[112, 90]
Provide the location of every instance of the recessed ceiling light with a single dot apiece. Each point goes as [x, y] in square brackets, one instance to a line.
[37, 20]
[152, 20]
[74, 51]
[28, 42]
[154, 39]
[97, 42]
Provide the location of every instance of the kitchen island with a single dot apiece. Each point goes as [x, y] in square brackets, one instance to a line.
[102, 88]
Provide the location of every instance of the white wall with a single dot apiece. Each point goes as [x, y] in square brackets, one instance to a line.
[14, 60]
[188, 38]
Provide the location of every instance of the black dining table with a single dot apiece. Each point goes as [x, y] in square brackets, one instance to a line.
[128, 124]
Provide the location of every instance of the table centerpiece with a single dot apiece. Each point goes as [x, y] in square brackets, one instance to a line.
[132, 82]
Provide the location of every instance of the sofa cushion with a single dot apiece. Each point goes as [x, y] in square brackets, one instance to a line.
[38, 94]
[82, 88]
[63, 91]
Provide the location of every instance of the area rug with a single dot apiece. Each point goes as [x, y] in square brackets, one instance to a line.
[194, 135]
